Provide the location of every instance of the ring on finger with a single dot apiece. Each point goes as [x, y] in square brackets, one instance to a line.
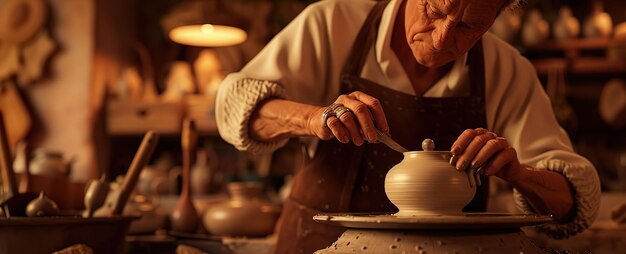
[329, 112]
[341, 110]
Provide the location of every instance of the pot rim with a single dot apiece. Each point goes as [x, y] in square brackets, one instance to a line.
[429, 152]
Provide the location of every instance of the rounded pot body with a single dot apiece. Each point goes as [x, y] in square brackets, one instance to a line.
[426, 183]
[48, 163]
[245, 214]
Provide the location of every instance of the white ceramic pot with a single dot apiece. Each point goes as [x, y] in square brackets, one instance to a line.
[424, 183]
[599, 23]
[535, 30]
[566, 26]
[49, 163]
[507, 26]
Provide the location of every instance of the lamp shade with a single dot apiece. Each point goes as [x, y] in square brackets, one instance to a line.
[204, 23]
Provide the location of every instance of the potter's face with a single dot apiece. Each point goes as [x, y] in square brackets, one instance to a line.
[439, 31]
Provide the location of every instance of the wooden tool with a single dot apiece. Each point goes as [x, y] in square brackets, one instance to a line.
[184, 218]
[116, 200]
[12, 200]
[18, 121]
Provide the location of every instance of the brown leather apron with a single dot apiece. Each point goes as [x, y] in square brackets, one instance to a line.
[348, 178]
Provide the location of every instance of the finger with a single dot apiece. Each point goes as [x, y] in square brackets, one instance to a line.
[477, 143]
[363, 115]
[464, 139]
[499, 161]
[491, 148]
[348, 120]
[337, 128]
[376, 110]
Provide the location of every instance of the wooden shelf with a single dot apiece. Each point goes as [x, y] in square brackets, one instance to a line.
[136, 118]
[571, 56]
[580, 65]
[578, 44]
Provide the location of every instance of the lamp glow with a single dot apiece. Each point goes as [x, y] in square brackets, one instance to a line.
[208, 35]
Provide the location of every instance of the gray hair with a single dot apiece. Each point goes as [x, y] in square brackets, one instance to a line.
[512, 4]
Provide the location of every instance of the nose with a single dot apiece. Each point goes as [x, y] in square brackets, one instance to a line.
[442, 35]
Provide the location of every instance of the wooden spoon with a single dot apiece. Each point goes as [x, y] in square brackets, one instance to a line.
[116, 200]
[184, 218]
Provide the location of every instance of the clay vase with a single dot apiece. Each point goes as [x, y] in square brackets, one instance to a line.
[535, 30]
[599, 23]
[424, 183]
[566, 25]
[247, 213]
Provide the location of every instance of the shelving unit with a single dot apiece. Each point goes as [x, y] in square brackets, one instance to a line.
[126, 118]
[585, 66]
[580, 56]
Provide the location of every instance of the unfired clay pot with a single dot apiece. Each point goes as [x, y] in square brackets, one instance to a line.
[424, 182]
[247, 213]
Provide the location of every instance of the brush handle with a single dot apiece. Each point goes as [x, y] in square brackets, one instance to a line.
[148, 144]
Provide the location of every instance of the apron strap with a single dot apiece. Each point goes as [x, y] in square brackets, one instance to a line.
[476, 63]
[364, 40]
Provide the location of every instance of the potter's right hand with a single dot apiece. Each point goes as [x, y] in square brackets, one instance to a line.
[357, 124]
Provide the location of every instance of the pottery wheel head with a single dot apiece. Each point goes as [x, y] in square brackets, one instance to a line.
[428, 145]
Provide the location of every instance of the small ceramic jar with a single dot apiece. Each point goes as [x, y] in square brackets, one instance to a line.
[535, 30]
[598, 23]
[424, 183]
[566, 25]
[247, 213]
[48, 163]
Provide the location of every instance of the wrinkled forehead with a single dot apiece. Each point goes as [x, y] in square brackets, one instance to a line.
[467, 7]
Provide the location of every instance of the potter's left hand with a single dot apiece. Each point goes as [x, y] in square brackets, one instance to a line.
[483, 150]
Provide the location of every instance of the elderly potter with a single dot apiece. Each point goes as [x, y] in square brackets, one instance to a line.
[413, 69]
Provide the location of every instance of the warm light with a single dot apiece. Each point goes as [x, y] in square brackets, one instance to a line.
[208, 35]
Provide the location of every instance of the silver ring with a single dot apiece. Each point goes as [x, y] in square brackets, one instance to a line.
[329, 112]
[341, 110]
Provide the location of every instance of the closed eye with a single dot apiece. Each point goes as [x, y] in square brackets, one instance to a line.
[433, 13]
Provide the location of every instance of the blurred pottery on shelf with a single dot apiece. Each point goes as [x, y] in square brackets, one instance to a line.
[507, 25]
[201, 174]
[598, 23]
[42, 206]
[425, 183]
[208, 70]
[566, 25]
[179, 81]
[50, 164]
[247, 213]
[535, 29]
[617, 51]
[612, 103]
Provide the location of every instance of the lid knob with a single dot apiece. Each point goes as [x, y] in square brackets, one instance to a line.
[428, 145]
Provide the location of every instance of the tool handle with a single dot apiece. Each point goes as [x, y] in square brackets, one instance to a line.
[9, 186]
[148, 144]
[189, 142]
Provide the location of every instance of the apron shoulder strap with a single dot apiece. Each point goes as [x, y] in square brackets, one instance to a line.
[364, 40]
[476, 62]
